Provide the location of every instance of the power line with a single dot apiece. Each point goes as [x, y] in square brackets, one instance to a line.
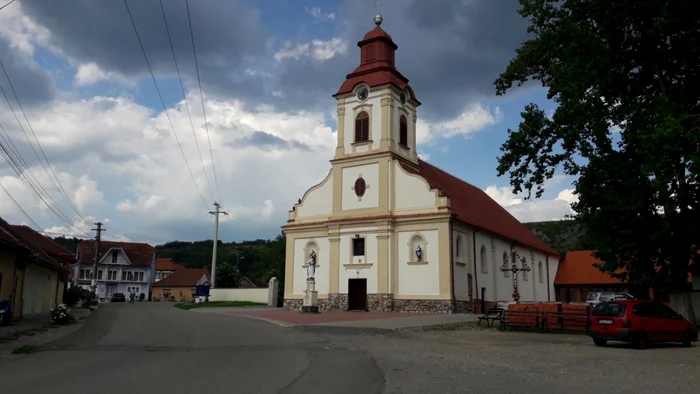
[60, 188]
[187, 105]
[165, 109]
[19, 206]
[201, 96]
[33, 185]
[11, 1]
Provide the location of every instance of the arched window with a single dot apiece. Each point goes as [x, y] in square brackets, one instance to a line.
[458, 248]
[506, 263]
[403, 131]
[362, 127]
[524, 265]
[540, 272]
[484, 260]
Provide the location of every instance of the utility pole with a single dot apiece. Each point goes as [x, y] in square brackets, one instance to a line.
[216, 214]
[98, 237]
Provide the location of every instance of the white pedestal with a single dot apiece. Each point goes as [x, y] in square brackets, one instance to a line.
[310, 298]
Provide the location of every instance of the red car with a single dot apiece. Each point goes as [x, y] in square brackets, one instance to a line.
[639, 322]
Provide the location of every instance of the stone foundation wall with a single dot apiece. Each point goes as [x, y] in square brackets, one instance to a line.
[423, 306]
[380, 302]
[335, 302]
[292, 305]
[463, 306]
[387, 303]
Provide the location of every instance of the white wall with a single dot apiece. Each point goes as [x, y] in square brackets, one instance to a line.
[499, 285]
[421, 279]
[318, 201]
[463, 265]
[322, 265]
[412, 192]
[370, 173]
[252, 295]
[346, 257]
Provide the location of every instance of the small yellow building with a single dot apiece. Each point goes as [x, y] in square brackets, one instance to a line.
[28, 275]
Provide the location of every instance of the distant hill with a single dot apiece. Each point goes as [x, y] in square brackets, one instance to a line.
[561, 235]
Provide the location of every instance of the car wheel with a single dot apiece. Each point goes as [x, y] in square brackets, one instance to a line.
[687, 339]
[641, 341]
[600, 341]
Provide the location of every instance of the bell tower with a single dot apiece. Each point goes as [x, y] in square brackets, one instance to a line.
[376, 105]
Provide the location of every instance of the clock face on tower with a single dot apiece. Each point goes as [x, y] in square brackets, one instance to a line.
[362, 94]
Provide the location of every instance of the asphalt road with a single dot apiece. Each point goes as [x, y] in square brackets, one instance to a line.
[156, 348]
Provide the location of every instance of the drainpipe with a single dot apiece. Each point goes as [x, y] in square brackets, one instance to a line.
[549, 296]
[452, 270]
[476, 279]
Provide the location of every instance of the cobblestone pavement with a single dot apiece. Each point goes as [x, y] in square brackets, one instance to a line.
[149, 348]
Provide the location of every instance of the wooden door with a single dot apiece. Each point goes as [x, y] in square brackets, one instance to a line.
[357, 294]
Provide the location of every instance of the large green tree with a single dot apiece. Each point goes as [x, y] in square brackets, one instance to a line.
[625, 76]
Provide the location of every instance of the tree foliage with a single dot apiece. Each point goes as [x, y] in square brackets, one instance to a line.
[624, 74]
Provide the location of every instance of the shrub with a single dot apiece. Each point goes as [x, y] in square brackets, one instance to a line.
[72, 295]
[61, 315]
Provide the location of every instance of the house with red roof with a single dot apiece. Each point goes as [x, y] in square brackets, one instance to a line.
[387, 231]
[121, 267]
[578, 275]
[181, 284]
[33, 270]
[165, 267]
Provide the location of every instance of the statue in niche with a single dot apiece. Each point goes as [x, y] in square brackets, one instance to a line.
[419, 253]
[311, 269]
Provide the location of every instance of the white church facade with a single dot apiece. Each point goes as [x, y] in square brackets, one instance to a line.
[390, 232]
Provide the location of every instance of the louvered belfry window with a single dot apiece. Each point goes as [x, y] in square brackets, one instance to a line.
[403, 131]
[362, 127]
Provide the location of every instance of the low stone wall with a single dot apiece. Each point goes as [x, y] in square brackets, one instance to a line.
[423, 306]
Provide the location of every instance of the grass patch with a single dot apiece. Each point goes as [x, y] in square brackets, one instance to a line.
[215, 304]
[26, 349]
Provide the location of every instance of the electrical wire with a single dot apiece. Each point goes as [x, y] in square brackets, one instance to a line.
[165, 109]
[201, 96]
[187, 105]
[20, 207]
[11, 1]
[58, 184]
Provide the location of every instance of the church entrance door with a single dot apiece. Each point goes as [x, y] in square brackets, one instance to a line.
[357, 294]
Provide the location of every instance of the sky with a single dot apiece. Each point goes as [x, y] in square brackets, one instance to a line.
[108, 151]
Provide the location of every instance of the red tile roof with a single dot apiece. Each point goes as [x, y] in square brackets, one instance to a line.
[167, 264]
[43, 242]
[186, 277]
[578, 268]
[11, 235]
[138, 253]
[473, 206]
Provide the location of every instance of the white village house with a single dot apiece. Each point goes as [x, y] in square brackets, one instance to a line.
[380, 204]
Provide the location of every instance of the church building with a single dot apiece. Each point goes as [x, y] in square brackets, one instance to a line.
[390, 232]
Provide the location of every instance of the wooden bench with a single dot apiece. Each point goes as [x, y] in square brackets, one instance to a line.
[491, 316]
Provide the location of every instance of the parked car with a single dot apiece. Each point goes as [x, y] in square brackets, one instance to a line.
[597, 297]
[118, 297]
[639, 322]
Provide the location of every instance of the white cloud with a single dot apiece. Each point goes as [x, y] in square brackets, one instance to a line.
[318, 14]
[22, 33]
[534, 210]
[474, 118]
[119, 159]
[318, 50]
[91, 73]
